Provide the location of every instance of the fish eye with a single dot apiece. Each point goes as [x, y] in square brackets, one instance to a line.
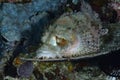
[61, 41]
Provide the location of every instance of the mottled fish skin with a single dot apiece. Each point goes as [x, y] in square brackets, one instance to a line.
[72, 35]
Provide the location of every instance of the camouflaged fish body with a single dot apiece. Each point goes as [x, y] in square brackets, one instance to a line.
[73, 34]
